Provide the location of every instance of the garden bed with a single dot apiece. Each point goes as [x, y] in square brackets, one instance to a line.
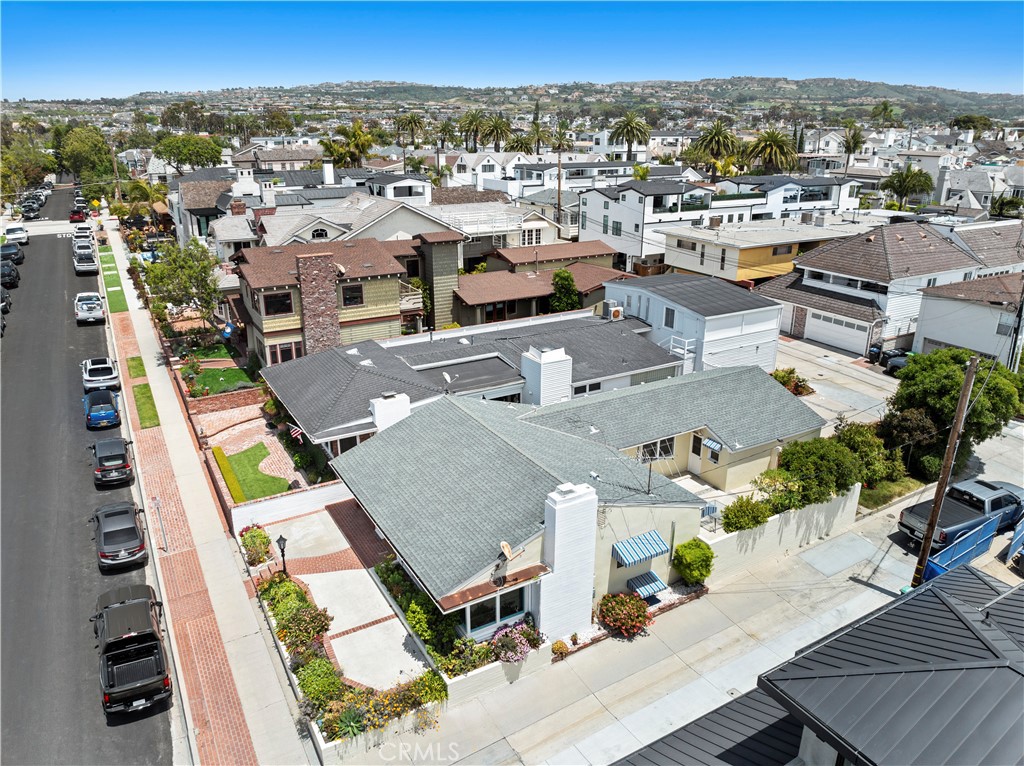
[243, 477]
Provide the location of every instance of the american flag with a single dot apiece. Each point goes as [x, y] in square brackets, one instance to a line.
[295, 431]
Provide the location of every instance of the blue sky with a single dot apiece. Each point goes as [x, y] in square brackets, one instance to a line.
[60, 50]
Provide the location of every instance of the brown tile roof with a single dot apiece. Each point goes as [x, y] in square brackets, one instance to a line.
[492, 286]
[275, 266]
[197, 195]
[791, 288]
[461, 195]
[403, 247]
[994, 245]
[889, 252]
[564, 251]
[1000, 290]
[438, 237]
[286, 154]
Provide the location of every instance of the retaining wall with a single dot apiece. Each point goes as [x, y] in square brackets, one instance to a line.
[289, 504]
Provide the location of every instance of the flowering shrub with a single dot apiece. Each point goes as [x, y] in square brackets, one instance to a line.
[513, 643]
[466, 655]
[624, 612]
[256, 544]
[560, 649]
[319, 682]
[303, 626]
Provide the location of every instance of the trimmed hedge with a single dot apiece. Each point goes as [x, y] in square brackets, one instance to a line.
[234, 487]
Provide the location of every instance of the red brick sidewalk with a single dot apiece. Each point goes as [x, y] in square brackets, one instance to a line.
[221, 732]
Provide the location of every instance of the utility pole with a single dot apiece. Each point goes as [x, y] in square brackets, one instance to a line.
[117, 176]
[1014, 356]
[947, 469]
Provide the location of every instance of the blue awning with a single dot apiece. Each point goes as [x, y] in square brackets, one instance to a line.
[640, 548]
[646, 585]
[712, 444]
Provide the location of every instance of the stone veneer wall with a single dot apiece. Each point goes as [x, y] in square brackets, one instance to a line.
[318, 287]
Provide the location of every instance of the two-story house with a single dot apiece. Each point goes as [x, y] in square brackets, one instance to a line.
[705, 321]
[410, 189]
[792, 196]
[865, 289]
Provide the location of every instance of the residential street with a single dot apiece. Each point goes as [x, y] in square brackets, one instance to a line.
[52, 711]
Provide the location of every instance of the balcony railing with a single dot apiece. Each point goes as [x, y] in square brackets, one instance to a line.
[409, 298]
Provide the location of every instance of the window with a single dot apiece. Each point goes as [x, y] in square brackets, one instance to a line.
[487, 169]
[968, 276]
[510, 603]
[604, 225]
[587, 388]
[695, 444]
[606, 204]
[318, 234]
[616, 228]
[721, 263]
[483, 614]
[531, 237]
[275, 304]
[460, 168]
[285, 352]
[351, 295]
[1006, 323]
[670, 318]
[740, 219]
[931, 281]
[583, 201]
[636, 227]
[663, 449]
[583, 219]
[622, 198]
[702, 255]
[496, 312]
[713, 456]
[254, 302]
[629, 301]
[730, 218]
[782, 250]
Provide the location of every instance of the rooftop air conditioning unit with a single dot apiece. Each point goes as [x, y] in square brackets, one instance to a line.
[714, 221]
[607, 308]
[616, 313]
[806, 217]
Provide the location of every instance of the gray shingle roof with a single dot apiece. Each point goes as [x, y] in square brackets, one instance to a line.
[707, 296]
[792, 288]
[752, 729]
[933, 678]
[501, 471]
[742, 406]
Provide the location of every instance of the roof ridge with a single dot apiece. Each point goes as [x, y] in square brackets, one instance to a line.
[920, 667]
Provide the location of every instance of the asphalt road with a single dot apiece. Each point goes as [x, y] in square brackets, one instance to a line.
[50, 693]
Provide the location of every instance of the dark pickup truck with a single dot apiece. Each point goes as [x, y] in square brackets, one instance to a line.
[965, 507]
[133, 663]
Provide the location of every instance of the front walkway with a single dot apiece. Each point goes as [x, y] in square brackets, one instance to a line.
[236, 707]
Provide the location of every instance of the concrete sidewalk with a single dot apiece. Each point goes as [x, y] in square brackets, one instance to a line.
[235, 690]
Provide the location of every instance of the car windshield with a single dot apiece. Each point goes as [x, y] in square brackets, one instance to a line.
[84, 257]
[111, 460]
[102, 407]
[101, 372]
[120, 536]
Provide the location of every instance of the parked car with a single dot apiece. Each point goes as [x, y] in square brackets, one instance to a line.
[897, 363]
[965, 507]
[5, 300]
[89, 308]
[30, 215]
[9, 274]
[120, 540]
[101, 409]
[133, 661]
[17, 234]
[11, 251]
[85, 263]
[76, 216]
[889, 354]
[99, 372]
[112, 462]
[83, 228]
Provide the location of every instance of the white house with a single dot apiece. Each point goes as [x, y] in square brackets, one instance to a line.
[410, 189]
[981, 315]
[707, 322]
[603, 144]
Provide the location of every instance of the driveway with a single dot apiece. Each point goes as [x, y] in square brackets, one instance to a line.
[612, 698]
[844, 383]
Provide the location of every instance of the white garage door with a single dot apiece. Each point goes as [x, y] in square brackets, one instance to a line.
[836, 331]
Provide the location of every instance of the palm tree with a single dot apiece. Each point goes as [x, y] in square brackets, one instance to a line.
[908, 182]
[1006, 207]
[520, 142]
[715, 142]
[496, 129]
[774, 150]
[352, 147]
[640, 172]
[471, 124]
[560, 140]
[413, 122]
[438, 173]
[853, 140]
[416, 164]
[727, 166]
[633, 129]
[447, 133]
[883, 114]
[538, 134]
[141, 192]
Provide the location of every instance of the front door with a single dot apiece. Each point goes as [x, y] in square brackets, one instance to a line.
[693, 459]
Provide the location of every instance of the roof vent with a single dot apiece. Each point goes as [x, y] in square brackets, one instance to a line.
[352, 351]
[366, 362]
[389, 394]
[277, 250]
[899, 237]
[923, 235]
[349, 244]
[367, 265]
[870, 239]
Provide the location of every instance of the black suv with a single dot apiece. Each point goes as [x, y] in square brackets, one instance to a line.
[11, 251]
[9, 275]
[112, 462]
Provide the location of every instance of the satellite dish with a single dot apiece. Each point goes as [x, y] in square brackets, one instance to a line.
[447, 377]
[506, 549]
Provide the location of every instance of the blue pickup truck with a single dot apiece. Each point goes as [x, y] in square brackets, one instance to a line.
[965, 507]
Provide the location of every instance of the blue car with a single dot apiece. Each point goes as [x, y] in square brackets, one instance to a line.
[101, 409]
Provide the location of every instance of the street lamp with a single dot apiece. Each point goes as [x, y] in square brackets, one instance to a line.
[281, 542]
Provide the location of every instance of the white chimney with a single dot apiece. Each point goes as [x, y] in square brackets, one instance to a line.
[226, 158]
[568, 550]
[267, 193]
[548, 376]
[246, 185]
[388, 409]
[328, 172]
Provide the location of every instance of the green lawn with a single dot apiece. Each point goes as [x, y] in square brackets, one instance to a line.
[116, 300]
[887, 491]
[104, 249]
[136, 367]
[246, 467]
[145, 405]
[222, 379]
[216, 351]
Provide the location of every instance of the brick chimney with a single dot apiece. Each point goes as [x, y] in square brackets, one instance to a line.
[318, 287]
[237, 206]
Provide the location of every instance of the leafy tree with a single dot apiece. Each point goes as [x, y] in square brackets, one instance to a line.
[693, 560]
[908, 182]
[883, 114]
[184, 276]
[195, 151]
[438, 173]
[976, 122]
[824, 468]
[412, 122]
[275, 121]
[877, 463]
[631, 129]
[84, 149]
[744, 513]
[930, 385]
[715, 142]
[773, 150]
[496, 130]
[853, 140]
[356, 143]
[566, 297]
[781, 491]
